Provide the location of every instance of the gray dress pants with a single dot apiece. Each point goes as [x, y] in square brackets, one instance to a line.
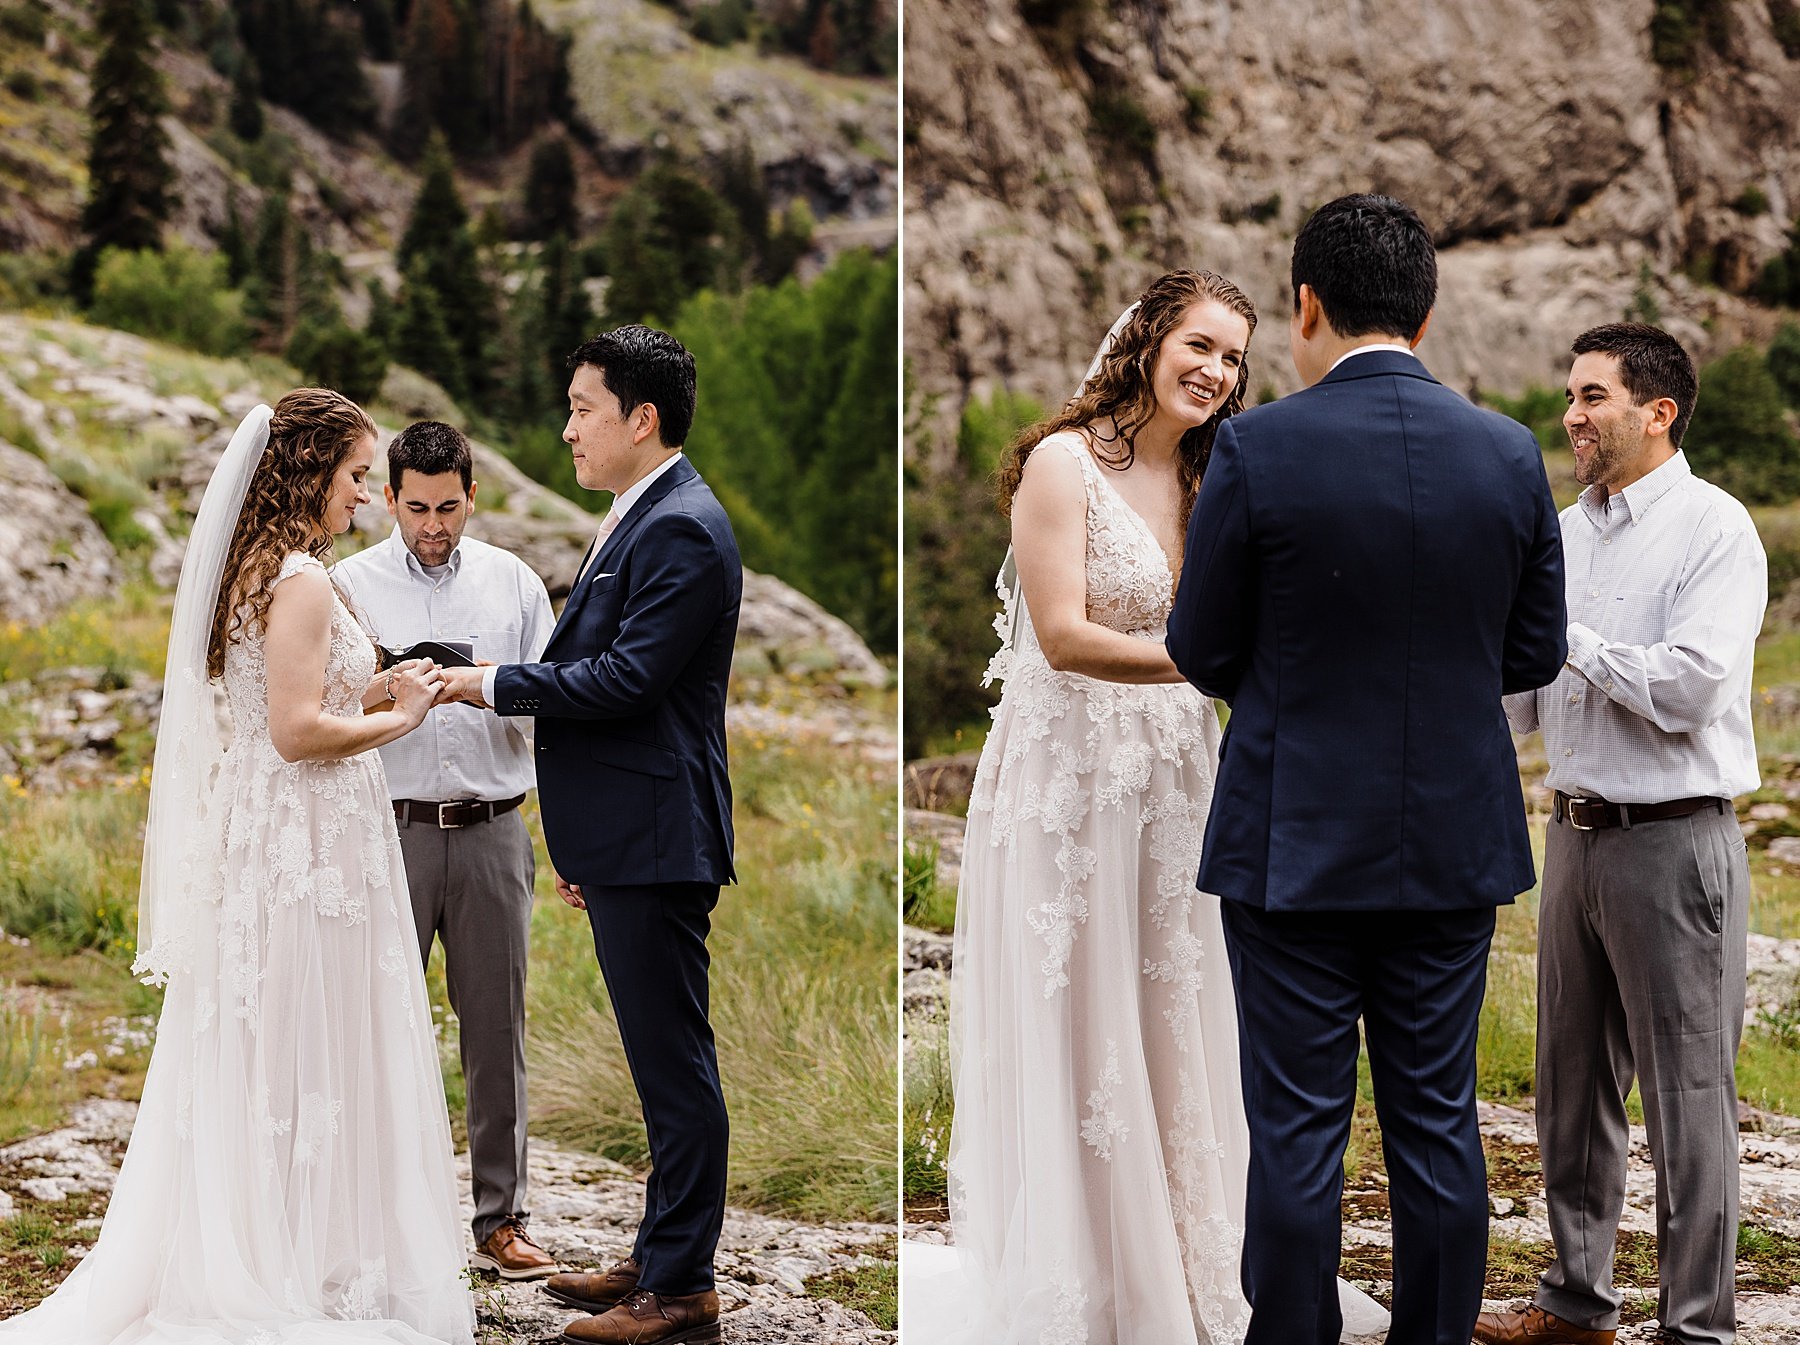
[471, 887]
[1641, 935]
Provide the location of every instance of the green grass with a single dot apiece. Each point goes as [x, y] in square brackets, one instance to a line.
[872, 1288]
[803, 984]
[121, 634]
[803, 995]
[924, 900]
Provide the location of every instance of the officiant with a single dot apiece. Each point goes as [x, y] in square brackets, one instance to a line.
[457, 783]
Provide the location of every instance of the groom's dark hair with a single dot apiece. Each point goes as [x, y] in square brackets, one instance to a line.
[430, 448]
[1371, 261]
[640, 364]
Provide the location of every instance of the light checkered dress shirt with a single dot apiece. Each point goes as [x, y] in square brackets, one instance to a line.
[1666, 583]
[486, 596]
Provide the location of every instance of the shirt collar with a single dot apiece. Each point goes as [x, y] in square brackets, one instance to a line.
[623, 501]
[1640, 494]
[1364, 350]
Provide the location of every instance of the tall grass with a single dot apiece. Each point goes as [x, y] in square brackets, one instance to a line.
[69, 866]
[123, 633]
[803, 996]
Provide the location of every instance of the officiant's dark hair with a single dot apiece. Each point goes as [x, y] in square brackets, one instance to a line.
[430, 448]
[1371, 261]
[643, 365]
[1652, 364]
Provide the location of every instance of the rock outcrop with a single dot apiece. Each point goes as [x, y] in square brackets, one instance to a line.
[1052, 169]
[51, 552]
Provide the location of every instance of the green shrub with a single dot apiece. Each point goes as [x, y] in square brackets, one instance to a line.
[1739, 438]
[1538, 409]
[721, 24]
[1119, 119]
[330, 354]
[955, 541]
[1784, 19]
[1784, 362]
[1196, 106]
[179, 295]
[1751, 202]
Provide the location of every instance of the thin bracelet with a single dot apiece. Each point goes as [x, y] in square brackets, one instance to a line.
[389, 687]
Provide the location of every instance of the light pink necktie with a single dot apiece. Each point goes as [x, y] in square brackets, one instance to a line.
[607, 524]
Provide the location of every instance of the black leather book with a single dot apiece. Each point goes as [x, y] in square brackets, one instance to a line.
[444, 653]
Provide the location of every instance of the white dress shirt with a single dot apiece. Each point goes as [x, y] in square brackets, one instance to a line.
[486, 596]
[1666, 587]
[1373, 345]
[621, 506]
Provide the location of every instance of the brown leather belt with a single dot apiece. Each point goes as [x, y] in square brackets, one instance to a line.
[452, 813]
[1590, 814]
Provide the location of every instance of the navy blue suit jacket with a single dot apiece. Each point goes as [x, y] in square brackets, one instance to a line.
[1371, 563]
[630, 697]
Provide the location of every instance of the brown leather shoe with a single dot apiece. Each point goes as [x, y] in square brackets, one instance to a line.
[644, 1318]
[1534, 1326]
[595, 1291]
[510, 1252]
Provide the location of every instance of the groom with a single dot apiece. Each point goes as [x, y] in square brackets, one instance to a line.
[636, 802]
[1370, 564]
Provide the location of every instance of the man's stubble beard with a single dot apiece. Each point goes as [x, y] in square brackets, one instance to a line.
[1612, 449]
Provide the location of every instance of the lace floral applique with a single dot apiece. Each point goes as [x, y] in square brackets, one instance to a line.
[1067, 1325]
[393, 963]
[318, 1122]
[1103, 1128]
[365, 1298]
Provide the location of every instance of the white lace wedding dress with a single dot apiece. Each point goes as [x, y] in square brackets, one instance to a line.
[289, 1179]
[1098, 1155]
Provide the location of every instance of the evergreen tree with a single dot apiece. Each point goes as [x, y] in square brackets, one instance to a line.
[421, 338]
[663, 244]
[380, 40]
[380, 326]
[331, 354]
[1784, 362]
[568, 317]
[129, 177]
[550, 191]
[308, 54]
[439, 243]
[1739, 439]
[234, 244]
[246, 102]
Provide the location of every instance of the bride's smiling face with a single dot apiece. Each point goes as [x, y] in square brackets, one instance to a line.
[1199, 361]
[349, 486]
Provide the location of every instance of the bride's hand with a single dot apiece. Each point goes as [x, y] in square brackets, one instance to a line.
[416, 687]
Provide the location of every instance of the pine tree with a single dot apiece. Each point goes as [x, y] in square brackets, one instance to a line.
[421, 337]
[272, 288]
[663, 244]
[234, 244]
[439, 243]
[550, 191]
[246, 102]
[130, 181]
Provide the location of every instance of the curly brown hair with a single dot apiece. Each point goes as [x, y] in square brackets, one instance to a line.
[1121, 390]
[311, 434]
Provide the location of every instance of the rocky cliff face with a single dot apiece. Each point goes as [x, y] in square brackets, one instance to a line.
[1061, 154]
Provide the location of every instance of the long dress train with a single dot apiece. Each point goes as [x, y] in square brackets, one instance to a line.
[289, 1180]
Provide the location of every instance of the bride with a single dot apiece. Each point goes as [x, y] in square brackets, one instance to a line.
[289, 1180]
[1098, 1155]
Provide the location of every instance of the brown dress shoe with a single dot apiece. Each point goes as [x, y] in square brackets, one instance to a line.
[1534, 1326]
[644, 1318]
[510, 1252]
[595, 1291]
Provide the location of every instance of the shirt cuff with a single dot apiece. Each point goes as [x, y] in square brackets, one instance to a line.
[1584, 651]
[487, 685]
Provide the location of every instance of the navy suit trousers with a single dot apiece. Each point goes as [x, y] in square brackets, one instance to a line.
[651, 942]
[1416, 981]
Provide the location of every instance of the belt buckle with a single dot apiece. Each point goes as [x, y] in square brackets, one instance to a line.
[1573, 801]
[448, 826]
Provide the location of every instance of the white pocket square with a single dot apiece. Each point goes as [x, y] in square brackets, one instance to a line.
[607, 575]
